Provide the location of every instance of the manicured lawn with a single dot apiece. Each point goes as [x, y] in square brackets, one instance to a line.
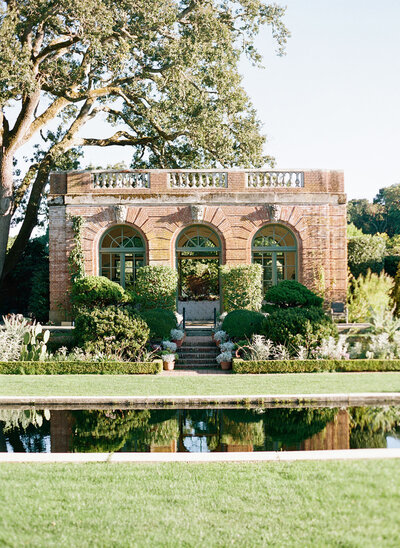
[299, 504]
[131, 385]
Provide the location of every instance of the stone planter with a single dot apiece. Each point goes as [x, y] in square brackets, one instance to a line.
[168, 366]
[226, 365]
[199, 310]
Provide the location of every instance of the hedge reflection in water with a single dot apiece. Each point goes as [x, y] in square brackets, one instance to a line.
[196, 429]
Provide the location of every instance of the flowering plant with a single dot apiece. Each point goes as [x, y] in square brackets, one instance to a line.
[170, 346]
[224, 357]
[177, 334]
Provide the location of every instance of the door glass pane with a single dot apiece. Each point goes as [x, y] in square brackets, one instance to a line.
[129, 271]
[280, 266]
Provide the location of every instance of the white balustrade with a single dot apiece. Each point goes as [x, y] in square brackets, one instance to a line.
[121, 179]
[198, 179]
[275, 179]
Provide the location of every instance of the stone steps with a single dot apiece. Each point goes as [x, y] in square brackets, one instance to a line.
[198, 350]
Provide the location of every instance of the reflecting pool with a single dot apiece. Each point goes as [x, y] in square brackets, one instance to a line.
[198, 430]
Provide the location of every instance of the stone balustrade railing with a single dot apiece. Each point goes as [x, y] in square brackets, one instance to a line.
[121, 179]
[184, 181]
[198, 179]
[275, 179]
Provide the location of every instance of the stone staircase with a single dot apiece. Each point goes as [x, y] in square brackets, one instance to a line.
[198, 350]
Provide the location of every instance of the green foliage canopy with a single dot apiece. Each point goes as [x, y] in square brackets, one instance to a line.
[164, 75]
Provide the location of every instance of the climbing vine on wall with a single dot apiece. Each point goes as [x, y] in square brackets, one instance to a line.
[76, 259]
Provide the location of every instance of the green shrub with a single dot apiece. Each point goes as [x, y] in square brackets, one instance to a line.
[95, 292]
[80, 368]
[312, 366]
[371, 291]
[160, 322]
[395, 293]
[241, 287]
[243, 323]
[112, 331]
[296, 327]
[156, 287]
[366, 252]
[290, 293]
[392, 263]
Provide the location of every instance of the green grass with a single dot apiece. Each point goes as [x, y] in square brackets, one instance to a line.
[352, 504]
[131, 385]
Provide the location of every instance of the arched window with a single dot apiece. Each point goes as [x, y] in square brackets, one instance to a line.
[198, 256]
[274, 247]
[122, 252]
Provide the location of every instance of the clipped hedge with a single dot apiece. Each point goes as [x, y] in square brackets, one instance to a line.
[81, 368]
[111, 330]
[160, 322]
[290, 293]
[156, 287]
[96, 292]
[299, 326]
[243, 323]
[312, 366]
[241, 287]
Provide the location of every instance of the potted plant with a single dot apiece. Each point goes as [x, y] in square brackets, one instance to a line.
[168, 360]
[225, 359]
[177, 336]
[170, 346]
[227, 346]
[219, 337]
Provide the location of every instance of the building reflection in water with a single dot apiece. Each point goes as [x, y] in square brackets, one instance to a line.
[197, 430]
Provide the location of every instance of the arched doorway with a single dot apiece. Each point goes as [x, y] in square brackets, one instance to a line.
[198, 256]
[122, 252]
[274, 247]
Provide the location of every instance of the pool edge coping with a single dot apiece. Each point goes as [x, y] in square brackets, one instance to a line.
[340, 399]
[240, 457]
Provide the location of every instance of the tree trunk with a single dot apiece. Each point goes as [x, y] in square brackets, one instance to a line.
[30, 218]
[6, 191]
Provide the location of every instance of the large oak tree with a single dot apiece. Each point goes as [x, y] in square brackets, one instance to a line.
[161, 74]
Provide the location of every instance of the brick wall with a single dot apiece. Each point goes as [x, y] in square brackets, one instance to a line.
[318, 222]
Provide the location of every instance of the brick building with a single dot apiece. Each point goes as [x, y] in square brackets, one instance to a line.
[291, 222]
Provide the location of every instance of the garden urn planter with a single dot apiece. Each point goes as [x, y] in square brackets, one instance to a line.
[226, 365]
[168, 366]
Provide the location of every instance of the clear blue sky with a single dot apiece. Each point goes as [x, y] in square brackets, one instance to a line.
[333, 101]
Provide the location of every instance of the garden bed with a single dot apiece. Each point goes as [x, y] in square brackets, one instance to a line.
[311, 366]
[80, 368]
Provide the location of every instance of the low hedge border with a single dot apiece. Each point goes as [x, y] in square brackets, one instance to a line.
[313, 366]
[81, 368]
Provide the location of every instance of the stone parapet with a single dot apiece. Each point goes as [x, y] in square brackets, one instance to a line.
[181, 182]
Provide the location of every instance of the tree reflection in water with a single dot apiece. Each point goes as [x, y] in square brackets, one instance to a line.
[198, 429]
[25, 430]
[285, 428]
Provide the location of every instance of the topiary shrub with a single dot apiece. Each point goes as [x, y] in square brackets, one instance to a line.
[112, 331]
[95, 292]
[156, 287]
[241, 287]
[290, 293]
[160, 322]
[243, 323]
[296, 327]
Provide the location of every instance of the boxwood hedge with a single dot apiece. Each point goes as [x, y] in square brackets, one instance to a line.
[312, 366]
[80, 368]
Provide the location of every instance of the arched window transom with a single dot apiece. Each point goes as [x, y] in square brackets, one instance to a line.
[274, 247]
[122, 252]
